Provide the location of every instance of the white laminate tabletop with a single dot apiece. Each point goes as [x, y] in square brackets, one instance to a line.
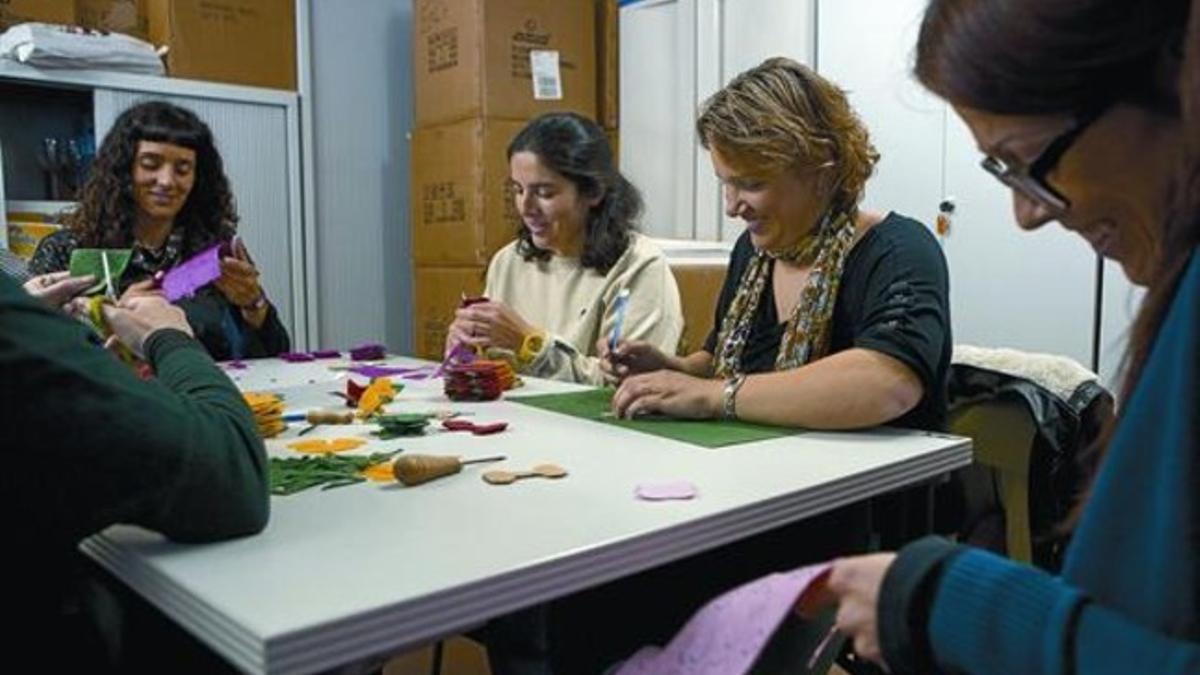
[370, 569]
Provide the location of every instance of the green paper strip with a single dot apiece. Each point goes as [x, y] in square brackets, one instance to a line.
[595, 404]
[85, 261]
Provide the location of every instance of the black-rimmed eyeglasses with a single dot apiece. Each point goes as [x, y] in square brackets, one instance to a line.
[1031, 181]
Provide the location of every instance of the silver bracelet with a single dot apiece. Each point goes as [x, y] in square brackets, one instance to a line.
[729, 396]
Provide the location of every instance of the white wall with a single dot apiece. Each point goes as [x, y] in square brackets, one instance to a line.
[361, 60]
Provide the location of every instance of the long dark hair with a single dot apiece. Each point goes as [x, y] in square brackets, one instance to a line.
[1054, 56]
[576, 147]
[107, 210]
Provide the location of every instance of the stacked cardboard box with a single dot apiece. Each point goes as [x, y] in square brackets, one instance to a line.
[250, 42]
[483, 69]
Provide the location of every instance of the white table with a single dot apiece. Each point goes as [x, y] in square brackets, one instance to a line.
[365, 570]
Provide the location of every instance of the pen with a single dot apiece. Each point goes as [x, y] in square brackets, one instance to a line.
[619, 306]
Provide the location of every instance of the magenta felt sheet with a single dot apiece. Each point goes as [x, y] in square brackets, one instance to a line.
[727, 635]
[189, 276]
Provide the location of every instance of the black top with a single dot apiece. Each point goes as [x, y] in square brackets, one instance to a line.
[217, 323]
[894, 298]
[87, 444]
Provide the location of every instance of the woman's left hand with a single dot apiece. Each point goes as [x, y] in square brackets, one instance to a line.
[58, 288]
[239, 278]
[239, 283]
[855, 582]
[496, 323]
[668, 392]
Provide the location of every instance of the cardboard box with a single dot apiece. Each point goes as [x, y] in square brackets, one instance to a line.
[13, 12]
[115, 16]
[437, 292]
[471, 58]
[249, 42]
[608, 64]
[462, 210]
[699, 288]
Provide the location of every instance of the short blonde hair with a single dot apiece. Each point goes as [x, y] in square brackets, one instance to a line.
[782, 115]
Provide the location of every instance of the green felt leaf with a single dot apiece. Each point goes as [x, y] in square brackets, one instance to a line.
[595, 404]
[85, 261]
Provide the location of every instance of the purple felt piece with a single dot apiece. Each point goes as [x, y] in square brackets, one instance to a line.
[382, 371]
[727, 635]
[671, 489]
[189, 276]
[368, 352]
[296, 357]
[235, 365]
[325, 354]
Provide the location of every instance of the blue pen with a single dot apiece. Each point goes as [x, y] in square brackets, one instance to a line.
[619, 306]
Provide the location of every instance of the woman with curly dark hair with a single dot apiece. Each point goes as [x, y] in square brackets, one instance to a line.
[158, 187]
[554, 292]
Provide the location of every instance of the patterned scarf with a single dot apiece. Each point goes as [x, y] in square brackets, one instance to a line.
[807, 335]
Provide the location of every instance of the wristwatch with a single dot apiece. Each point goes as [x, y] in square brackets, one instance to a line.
[729, 396]
[531, 346]
[259, 303]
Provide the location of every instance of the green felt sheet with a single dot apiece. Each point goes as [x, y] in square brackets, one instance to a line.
[86, 261]
[593, 405]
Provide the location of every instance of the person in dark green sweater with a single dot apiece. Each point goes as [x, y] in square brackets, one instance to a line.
[87, 445]
[1090, 112]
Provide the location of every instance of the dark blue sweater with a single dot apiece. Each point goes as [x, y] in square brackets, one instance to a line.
[1128, 600]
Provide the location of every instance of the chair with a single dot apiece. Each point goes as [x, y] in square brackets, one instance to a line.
[1002, 432]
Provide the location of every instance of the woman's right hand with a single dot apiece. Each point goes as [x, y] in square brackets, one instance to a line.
[630, 358]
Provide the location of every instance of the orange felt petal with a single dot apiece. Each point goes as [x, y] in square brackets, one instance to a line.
[323, 446]
[380, 473]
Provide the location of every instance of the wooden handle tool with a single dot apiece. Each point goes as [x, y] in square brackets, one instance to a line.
[417, 469]
[499, 477]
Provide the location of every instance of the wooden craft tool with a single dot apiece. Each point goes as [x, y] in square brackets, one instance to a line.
[501, 477]
[316, 418]
[417, 469]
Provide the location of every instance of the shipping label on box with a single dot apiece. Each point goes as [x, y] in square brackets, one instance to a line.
[462, 208]
[437, 292]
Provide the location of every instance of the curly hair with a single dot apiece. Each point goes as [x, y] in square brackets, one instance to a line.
[576, 147]
[781, 115]
[107, 210]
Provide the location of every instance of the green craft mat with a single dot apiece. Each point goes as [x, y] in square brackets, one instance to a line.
[86, 261]
[593, 403]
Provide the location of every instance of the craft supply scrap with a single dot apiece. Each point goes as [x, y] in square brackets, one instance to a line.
[479, 380]
[289, 475]
[268, 412]
[401, 424]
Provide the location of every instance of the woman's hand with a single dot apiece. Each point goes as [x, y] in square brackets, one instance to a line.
[58, 288]
[668, 392]
[630, 358]
[239, 284]
[855, 583]
[490, 324]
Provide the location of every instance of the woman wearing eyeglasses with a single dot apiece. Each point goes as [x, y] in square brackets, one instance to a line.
[1090, 112]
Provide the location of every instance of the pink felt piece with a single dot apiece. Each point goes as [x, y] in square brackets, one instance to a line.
[326, 354]
[671, 489]
[727, 635]
[189, 276]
